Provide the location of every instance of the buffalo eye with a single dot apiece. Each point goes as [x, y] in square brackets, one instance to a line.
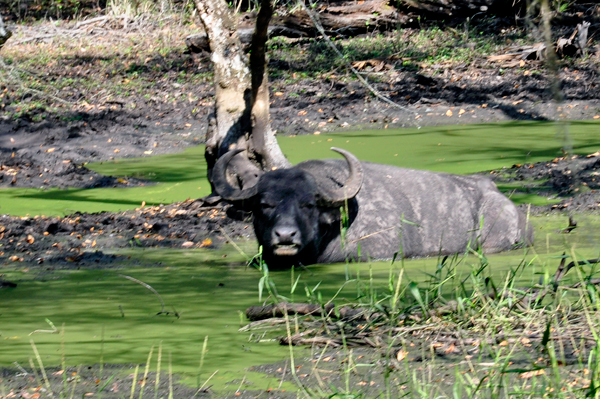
[267, 206]
[308, 205]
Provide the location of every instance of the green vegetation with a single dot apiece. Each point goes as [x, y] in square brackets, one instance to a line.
[462, 326]
[409, 48]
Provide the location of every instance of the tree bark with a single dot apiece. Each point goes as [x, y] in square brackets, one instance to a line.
[263, 142]
[241, 114]
[5, 34]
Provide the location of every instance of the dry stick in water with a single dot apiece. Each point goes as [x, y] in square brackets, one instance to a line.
[536, 295]
[148, 286]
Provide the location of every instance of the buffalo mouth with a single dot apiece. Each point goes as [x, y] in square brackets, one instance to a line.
[286, 250]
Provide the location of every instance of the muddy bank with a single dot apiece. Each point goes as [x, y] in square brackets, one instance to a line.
[88, 240]
[572, 182]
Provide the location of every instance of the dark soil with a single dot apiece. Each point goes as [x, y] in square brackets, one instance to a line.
[82, 239]
[109, 381]
[573, 180]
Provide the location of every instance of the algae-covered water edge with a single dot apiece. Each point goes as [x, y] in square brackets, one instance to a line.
[456, 149]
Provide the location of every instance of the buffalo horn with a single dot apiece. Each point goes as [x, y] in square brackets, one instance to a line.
[351, 187]
[222, 186]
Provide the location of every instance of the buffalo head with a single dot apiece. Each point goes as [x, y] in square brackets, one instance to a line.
[290, 208]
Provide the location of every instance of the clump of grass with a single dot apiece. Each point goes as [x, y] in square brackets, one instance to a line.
[69, 382]
[463, 333]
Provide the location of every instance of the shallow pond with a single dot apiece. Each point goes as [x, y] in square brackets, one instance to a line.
[110, 318]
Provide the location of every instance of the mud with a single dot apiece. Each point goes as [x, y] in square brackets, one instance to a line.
[84, 239]
[572, 181]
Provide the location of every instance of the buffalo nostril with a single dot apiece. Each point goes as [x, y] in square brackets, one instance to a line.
[286, 234]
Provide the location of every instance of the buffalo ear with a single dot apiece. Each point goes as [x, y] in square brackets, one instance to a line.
[240, 212]
[329, 216]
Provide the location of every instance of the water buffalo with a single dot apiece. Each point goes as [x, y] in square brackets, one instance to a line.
[327, 211]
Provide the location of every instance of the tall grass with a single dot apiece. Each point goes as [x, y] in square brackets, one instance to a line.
[464, 332]
[69, 382]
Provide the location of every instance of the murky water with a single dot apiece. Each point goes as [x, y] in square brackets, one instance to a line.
[112, 319]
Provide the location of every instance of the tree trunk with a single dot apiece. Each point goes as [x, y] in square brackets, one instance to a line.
[5, 34]
[241, 114]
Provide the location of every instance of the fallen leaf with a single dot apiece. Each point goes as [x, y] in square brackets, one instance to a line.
[278, 93]
[401, 355]
[206, 242]
[50, 149]
[187, 244]
[449, 113]
[450, 349]
[532, 373]
[462, 111]
[116, 150]
[30, 239]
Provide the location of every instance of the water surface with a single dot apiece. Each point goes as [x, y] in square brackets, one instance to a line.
[456, 149]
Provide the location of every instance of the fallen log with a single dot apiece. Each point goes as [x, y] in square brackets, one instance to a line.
[347, 18]
[282, 309]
